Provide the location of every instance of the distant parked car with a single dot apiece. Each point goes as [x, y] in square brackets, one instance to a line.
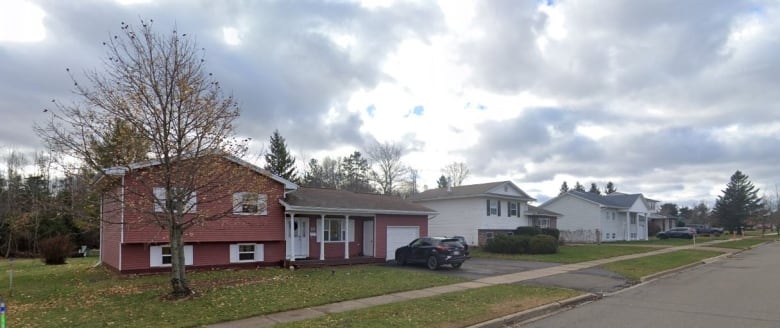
[463, 241]
[681, 232]
[433, 252]
[703, 229]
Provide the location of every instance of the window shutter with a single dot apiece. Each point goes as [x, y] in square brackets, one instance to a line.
[188, 255]
[351, 230]
[488, 207]
[233, 253]
[192, 203]
[238, 199]
[259, 252]
[318, 222]
[262, 204]
[159, 199]
[498, 202]
[155, 256]
[508, 209]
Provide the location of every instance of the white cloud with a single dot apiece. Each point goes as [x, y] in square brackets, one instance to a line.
[21, 21]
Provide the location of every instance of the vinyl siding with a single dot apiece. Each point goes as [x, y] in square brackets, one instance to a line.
[576, 214]
[465, 216]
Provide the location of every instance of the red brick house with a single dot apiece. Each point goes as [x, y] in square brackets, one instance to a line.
[264, 220]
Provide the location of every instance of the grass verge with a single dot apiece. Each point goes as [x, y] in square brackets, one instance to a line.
[79, 295]
[743, 243]
[456, 309]
[569, 253]
[637, 268]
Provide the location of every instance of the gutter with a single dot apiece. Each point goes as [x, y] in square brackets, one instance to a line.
[355, 211]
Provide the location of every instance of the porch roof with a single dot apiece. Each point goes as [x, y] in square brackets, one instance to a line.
[538, 211]
[333, 201]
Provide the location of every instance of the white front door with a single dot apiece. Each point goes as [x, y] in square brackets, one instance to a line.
[368, 238]
[300, 238]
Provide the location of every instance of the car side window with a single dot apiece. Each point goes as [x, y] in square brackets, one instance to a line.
[416, 242]
[426, 242]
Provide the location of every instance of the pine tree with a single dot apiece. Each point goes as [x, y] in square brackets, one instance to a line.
[610, 188]
[313, 177]
[564, 188]
[355, 173]
[579, 187]
[278, 160]
[738, 203]
[442, 182]
[594, 189]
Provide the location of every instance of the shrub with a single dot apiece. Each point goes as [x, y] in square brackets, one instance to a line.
[508, 244]
[528, 231]
[54, 250]
[552, 232]
[543, 244]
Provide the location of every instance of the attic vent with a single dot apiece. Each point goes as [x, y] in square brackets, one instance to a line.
[506, 189]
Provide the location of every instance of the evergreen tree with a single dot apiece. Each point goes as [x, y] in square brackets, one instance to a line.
[278, 160]
[442, 182]
[355, 173]
[313, 177]
[594, 189]
[610, 188]
[738, 202]
[579, 187]
[564, 188]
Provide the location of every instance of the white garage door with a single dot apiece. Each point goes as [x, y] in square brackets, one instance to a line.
[399, 236]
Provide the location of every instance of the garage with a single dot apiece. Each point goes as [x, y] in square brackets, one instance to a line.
[399, 236]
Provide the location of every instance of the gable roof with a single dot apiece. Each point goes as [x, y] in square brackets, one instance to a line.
[538, 211]
[616, 200]
[468, 191]
[333, 201]
[122, 170]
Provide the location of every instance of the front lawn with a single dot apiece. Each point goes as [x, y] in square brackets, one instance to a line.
[456, 309]
[569, 253]
[669, 242]
[637, 268]
[80, 295]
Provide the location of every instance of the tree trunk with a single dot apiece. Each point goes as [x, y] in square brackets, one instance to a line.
[180, 286]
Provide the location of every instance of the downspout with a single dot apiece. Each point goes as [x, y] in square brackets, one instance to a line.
[122, 222]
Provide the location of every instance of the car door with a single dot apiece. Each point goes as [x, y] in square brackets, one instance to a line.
[421, 250]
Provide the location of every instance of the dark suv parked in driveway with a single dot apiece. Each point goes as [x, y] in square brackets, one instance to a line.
[433, 251]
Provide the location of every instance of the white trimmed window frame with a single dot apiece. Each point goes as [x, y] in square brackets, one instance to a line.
[258, 251]
[513, 209]
[158, 254]
[160, 196]
[240, 199]
[321, 233]
[493, 207]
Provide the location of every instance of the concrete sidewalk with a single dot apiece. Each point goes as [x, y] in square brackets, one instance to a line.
[322, 310]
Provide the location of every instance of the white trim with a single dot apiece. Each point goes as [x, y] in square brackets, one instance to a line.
[238, 202]
[235, 254]
[155, 255]
[350, 211]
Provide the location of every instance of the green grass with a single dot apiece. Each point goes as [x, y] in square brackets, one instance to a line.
[743, 243]
[569, 253]
[80, 295]
[457, 309]
[637, 268]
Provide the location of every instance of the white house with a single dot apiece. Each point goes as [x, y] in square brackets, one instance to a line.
[479, 212]
[590, 217]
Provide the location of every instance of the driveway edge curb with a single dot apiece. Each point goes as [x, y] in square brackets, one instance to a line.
[537, 312]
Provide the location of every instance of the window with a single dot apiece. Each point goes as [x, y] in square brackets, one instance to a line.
[246, 253]
[250, 203]
[493, 207]
[542, 223]
[633, 220]
[489, 235]
[161, 256]
[182, 204]
[513, 209]
[613, 235]
[335, 230]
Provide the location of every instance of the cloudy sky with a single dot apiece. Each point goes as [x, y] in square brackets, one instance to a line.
[667, 98]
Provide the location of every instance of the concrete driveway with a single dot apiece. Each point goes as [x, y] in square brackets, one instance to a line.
[592, 280]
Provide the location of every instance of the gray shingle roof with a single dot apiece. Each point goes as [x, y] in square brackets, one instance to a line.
[618, 200]
[538, 211]
[465, 191]
[329, 200]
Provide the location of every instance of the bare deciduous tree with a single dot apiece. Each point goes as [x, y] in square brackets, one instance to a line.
[157, 86]
[388, 168]
[456, 172]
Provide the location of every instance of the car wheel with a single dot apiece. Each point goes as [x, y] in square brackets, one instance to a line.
[400, 260]
[456, 265]
[433, 262]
